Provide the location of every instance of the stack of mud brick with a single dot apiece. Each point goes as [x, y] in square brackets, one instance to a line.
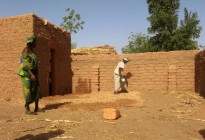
[172, 80]
[107, 74]
[95, 78]
[186, 74]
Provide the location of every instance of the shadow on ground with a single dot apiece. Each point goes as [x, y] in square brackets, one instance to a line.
[42, 136]
[55, 106]
[202, 133]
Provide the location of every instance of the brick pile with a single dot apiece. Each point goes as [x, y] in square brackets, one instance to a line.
[172, 79]
[95, 78]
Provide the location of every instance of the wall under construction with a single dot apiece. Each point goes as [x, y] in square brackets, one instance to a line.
[200, 73]
[173, 71]
[53, 51]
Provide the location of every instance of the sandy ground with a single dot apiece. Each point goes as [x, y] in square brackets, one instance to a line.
[144, 116]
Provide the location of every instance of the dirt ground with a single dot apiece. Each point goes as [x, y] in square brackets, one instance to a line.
[144, 116]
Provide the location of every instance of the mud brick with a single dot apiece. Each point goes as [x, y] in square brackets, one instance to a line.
[172, 67]
[94, 90]
[172, 80]
[95, 67]
[111, 114]
[94, 70]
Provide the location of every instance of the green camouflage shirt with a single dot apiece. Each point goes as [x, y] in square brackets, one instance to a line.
[28, 62]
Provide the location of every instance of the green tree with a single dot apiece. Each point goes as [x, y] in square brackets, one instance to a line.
[72, 22]
[163, 23]
[138, 43]
[201, 47]
[73, 45]
[189, 30]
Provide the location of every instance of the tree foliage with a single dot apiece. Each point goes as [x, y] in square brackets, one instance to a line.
[72, 22]
[73, 45]
[137, 43]
[201, 47]
[165, 33]
[189, 30]
[163, 22]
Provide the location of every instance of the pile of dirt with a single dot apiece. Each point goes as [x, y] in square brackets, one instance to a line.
[106, 49]
[187, 97]
[93, 102]
[101, 105]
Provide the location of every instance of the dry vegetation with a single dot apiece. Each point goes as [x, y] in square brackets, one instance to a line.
[94, 50]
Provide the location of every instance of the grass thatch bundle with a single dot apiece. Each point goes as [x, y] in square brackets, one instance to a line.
[94, 50]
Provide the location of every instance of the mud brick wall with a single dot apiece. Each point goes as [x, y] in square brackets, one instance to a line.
[13, 31]
[174, 71]
[53, 44]
[200, 73]
[13, 34]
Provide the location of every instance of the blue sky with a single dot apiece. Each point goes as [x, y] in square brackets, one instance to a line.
[107, 22]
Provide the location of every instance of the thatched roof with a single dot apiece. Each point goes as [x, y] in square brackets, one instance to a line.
[94, 50]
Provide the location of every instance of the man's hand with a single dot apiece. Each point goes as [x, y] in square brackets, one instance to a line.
[33, 77]
[121, 72]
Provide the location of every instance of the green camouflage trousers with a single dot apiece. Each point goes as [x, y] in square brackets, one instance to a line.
[31, 90]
